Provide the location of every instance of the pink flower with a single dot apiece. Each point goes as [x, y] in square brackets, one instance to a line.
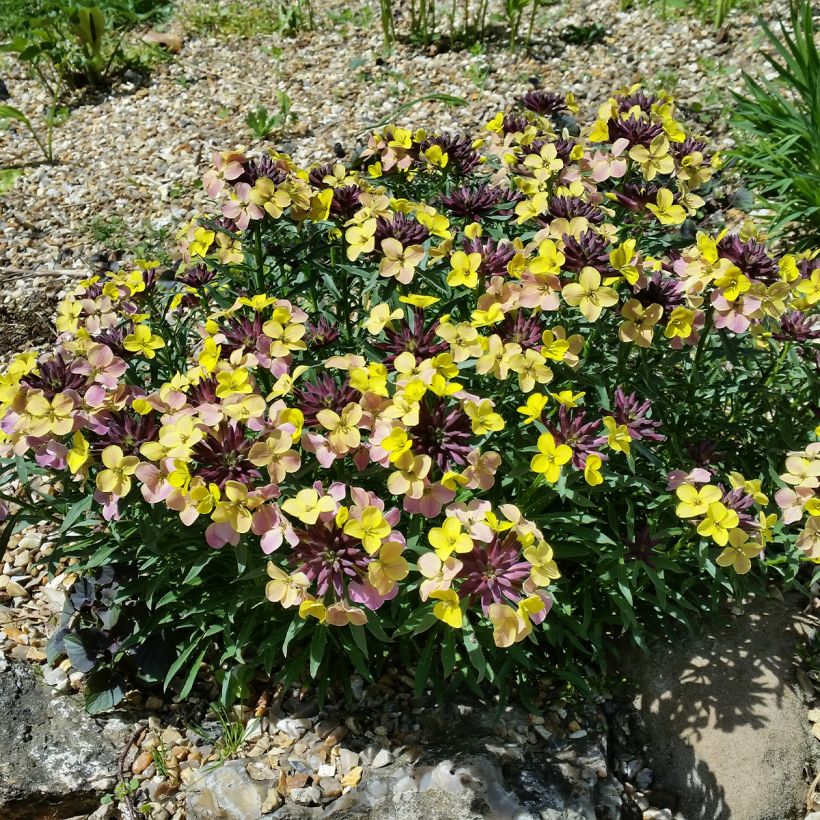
[473, 516]
[320, 447]
[699, 475]
[226, 166]
[102, 365]
[154, 485]
[241, 208]
[109, 503]
[482, 469]
[433, 498]
[367, 595]
[792, 502]
[217, 535]
[49, 453]
[438, 574]
[736, 316]
[274, 529]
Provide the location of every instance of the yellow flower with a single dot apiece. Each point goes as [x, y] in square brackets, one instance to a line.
[618, 437]
[388, 568]
[654, 160]
[397, 443]
[232, 383]
[46, 417]
[483, 418]
[284, 589]
[360, 239]
[550, 458]
[343, 433]
[549, 260]
[449, 538]
[371, 529]
[313, 609]
[534, 407]
[371, 380]
[116, 478]
[621, 259]
[545, 163]
[447, 609]
[464, 269]
[680, 323]
[452, 481]
[639, 327]
[694, 501]
[68, 314]
[717, 523]
[543, 567]
[567, 398]
[666, 212]
[307, 506]
[418, 300]
[810, 287]
[592, 470]
[531, 368]
[144, 342]
[752, 487]
[400, 262]
[506, 624]
[78, 454]
[485, 318]
[233, 507]
[588, 295]
[531, 208]
[732, 283]
[738, 552]
[380, 317]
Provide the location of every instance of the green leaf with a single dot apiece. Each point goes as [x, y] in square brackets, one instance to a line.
[317, 649]
[474, 652]
[9, 112]
[360, 637]
[423, 669]
[105, 689]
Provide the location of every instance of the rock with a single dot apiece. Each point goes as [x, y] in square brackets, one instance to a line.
[307, 796]
[293, 727]
[170, 738]
[53, 752]
[272, 800]
[225, 793]
[141, 762]
[726, 728]
[168, 40]
[15, 590]
[382, 758]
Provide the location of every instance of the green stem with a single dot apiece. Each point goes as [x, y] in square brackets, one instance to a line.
[778, 363]
[260, 262]
[699, 353]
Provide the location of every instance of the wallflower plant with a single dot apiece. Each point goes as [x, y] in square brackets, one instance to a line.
[478, 405]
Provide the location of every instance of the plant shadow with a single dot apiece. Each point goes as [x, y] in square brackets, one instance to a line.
[723, 723]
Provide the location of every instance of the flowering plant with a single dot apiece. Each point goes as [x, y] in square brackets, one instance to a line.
[478, 403]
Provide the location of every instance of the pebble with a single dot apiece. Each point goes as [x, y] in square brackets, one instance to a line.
[306, 796]
[142, 761]
[382, 758]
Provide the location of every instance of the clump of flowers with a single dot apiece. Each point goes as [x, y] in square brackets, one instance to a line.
[477, 392]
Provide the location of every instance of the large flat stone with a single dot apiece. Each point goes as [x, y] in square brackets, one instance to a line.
[725, 721]
[55, 759]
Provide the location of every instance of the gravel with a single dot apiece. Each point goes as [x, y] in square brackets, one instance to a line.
[129, 162]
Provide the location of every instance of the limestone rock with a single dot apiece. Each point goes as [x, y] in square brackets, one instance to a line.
[225, 793]
[53, 751]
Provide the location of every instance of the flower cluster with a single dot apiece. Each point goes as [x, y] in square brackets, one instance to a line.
[393, 380]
